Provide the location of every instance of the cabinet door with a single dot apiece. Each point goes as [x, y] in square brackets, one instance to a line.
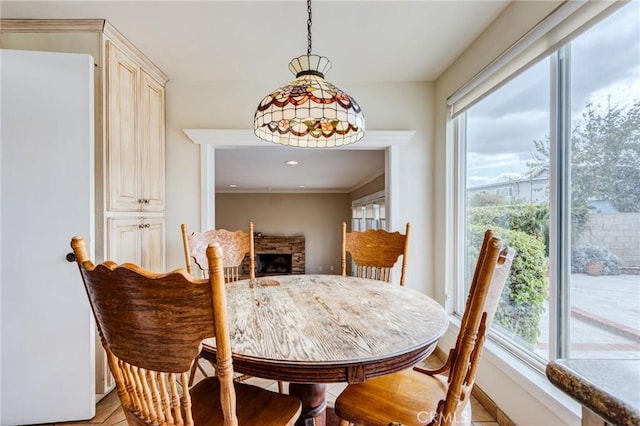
[124, 244]
[123, 161]
[105, 382]
[152, 245]
[152, 140]
[137, 240]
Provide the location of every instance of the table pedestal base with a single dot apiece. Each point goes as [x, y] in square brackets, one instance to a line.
[314, 403]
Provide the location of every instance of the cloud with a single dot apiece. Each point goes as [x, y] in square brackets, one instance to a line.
[501, 128]
[475, 181]
[606, 59]
[514, 132]
[528, 91]
[483, 168]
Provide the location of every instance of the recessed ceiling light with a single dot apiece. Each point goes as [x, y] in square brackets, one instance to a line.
[291, 162]
[301, 186]
[233, 185]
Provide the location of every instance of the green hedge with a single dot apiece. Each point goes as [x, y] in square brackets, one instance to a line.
[532, 219]
[522, 301]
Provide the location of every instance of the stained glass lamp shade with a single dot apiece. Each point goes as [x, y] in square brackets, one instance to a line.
[309, 111]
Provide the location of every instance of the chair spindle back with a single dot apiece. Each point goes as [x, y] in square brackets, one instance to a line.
[235, 246]
[490, 275]
[151, 326]
[374, 252]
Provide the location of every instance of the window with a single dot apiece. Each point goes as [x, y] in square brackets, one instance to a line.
[368, 212]
[550, 159]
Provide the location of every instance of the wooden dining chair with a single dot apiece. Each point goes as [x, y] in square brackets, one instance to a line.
[436, 397]
[374, 252]
[235, 246]
[152, 325]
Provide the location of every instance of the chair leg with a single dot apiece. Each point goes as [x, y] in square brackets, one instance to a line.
[280, 386]
[201, 368]
[192, 372]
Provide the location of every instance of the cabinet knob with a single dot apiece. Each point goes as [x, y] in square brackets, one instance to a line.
[70, 257]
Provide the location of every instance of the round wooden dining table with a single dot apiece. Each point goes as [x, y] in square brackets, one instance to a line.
[315, 329]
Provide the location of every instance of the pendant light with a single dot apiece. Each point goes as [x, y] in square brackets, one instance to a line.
[309, 111]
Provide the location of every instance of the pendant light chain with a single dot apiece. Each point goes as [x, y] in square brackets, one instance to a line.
[309, 27]
[309, 111]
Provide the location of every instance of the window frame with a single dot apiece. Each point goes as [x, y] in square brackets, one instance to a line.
[559, 177]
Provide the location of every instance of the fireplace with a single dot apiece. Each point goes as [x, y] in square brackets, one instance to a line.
[283, 252]
[273, 264]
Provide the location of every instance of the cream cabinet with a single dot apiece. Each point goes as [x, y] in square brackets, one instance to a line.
[105, 382]
[137, 240]
[135, 125]
[129, 112]
[129, 140]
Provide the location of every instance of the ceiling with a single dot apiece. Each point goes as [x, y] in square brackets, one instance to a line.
[366, 41]
[265, 169]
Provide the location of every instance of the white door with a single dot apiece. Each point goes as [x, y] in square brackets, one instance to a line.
[47, 196]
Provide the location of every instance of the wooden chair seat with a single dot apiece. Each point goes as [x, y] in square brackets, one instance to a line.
[259, 406]
[396, 397]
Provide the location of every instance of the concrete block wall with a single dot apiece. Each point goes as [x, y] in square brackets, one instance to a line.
[619, 232]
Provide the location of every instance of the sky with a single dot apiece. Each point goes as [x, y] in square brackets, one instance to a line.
[605, 66]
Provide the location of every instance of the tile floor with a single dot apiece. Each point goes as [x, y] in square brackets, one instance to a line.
[108, 412]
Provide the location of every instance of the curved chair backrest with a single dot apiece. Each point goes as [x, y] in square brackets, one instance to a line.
[235, 246]
[151, 326]
[491, 272]
[374, 252]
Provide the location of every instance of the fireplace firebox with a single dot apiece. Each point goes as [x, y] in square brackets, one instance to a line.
[273, 264]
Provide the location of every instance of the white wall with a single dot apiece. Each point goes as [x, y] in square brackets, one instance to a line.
[230, 105]
[523, 402]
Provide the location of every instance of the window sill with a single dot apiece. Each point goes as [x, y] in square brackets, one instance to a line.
[520, 391]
